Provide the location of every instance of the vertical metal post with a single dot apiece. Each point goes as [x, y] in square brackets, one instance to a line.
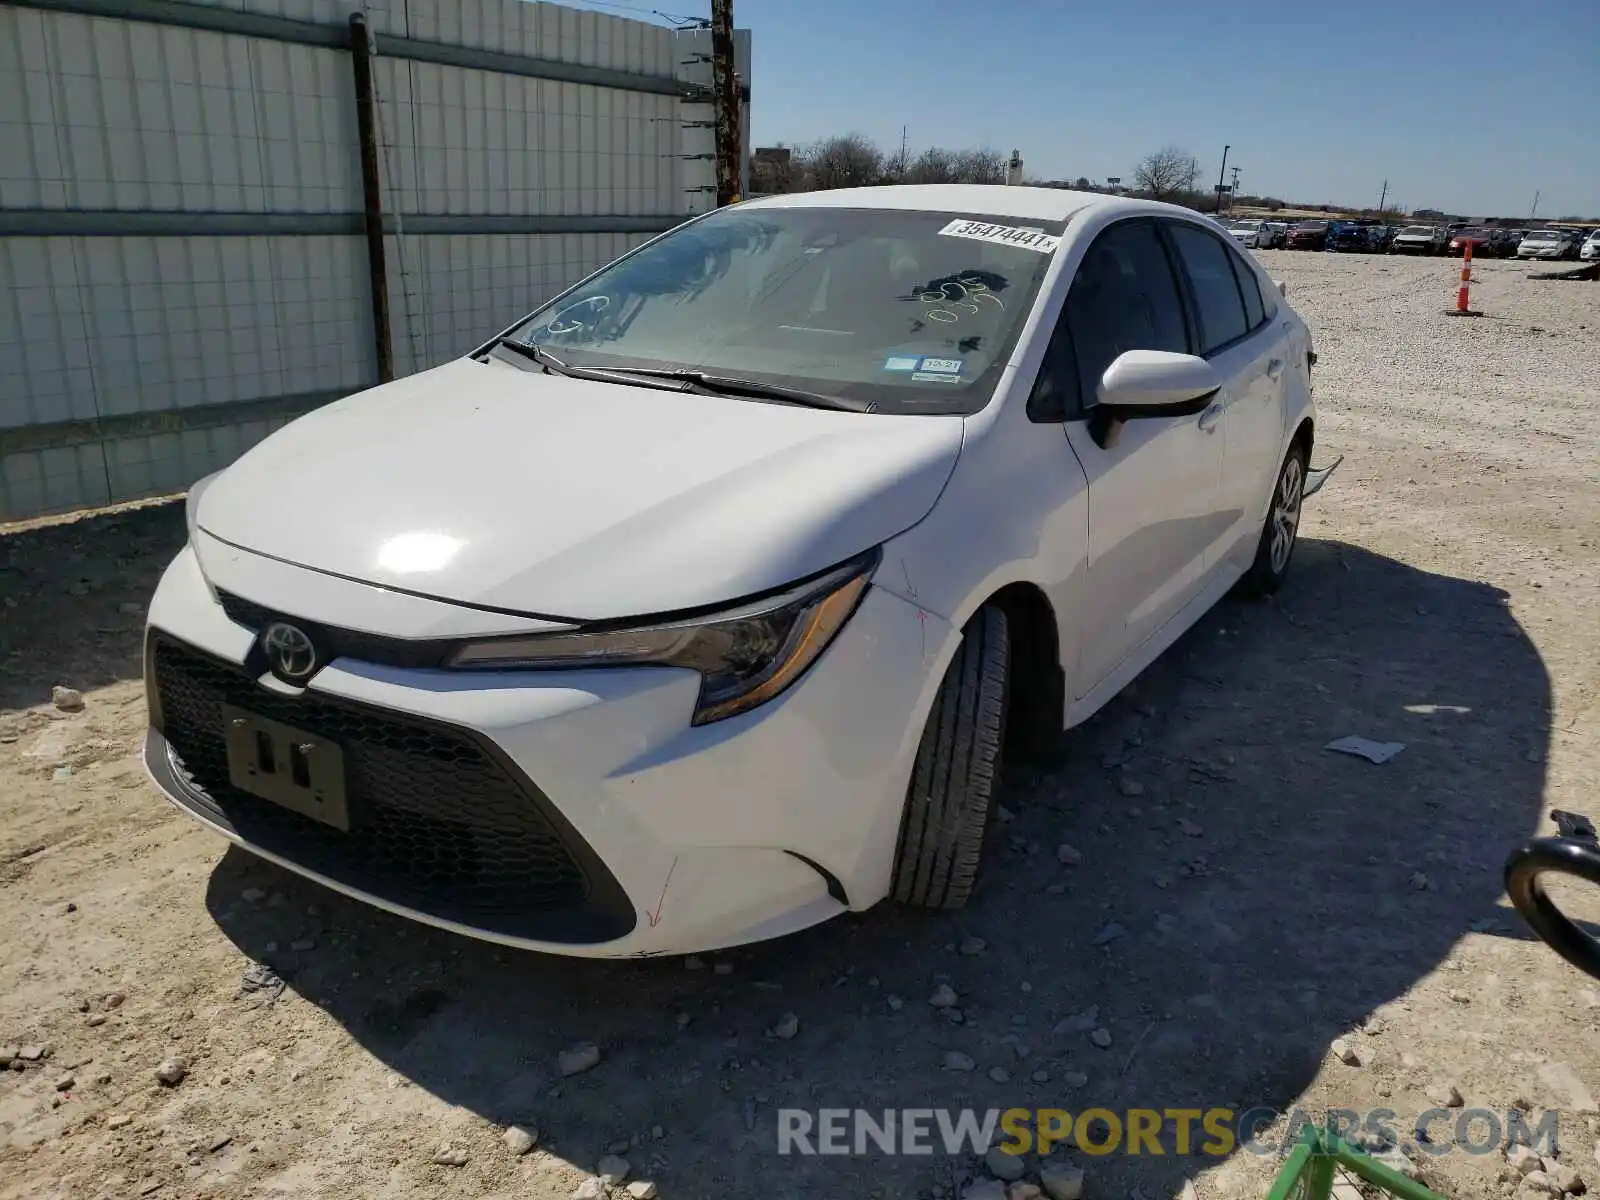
[371, 189]
[725, 87]
[1220, 175]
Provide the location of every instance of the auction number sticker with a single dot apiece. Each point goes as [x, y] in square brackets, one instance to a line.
[1036, 240]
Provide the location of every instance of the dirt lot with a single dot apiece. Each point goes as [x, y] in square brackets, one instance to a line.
[1243, 898]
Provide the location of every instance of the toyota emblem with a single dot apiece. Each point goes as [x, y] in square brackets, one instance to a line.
[289, 651]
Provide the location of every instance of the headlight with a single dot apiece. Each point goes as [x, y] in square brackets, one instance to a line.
[191, 503]
[745, 656]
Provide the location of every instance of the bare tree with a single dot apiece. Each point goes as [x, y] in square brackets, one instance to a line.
[849, 160]
[1169, 172]
[933, 165]
[979, 166]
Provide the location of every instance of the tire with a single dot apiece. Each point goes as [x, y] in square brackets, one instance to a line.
[956, 773]
[1275, 550]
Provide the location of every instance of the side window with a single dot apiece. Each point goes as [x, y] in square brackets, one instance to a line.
[1250, 289]
[1216, 292]
[1055, 392]
[1124, 297]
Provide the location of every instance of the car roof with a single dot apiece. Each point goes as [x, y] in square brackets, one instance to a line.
[997, 200]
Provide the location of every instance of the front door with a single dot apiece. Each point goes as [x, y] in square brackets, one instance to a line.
[1153, 498]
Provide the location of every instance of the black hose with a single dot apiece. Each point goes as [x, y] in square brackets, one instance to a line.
[1559, 856]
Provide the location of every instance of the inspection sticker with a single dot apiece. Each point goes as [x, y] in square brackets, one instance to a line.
[1005, 235]
[902, 362]
[944, 366]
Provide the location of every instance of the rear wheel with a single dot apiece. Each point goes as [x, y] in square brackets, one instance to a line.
[957, 772]
[1275, 550]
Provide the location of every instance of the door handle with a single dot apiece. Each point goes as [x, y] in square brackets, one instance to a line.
[1275, 368]
[1209, 418]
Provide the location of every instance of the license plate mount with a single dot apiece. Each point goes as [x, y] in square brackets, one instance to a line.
[286, 766]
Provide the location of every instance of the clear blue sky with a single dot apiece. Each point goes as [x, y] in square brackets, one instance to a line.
[1464, 105]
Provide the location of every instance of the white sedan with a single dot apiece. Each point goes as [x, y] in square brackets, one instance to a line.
[1547, 243]
[1254, 234]
[1591, 247]
[708, 601]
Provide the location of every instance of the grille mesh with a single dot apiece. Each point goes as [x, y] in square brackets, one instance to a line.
[437, 824]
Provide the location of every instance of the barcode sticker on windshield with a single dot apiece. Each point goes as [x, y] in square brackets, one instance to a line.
[1005, 235]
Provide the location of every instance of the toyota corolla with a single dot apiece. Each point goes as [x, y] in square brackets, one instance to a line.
[708, 601]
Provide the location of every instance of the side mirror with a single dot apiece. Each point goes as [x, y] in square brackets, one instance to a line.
[1144, 384]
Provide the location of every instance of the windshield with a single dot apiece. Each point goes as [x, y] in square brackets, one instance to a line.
[1312, 226]
[1418, 231]
[1247, 226]
[1542, 235]
[910, 311]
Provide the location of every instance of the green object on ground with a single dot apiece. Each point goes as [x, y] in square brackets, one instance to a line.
[1321, 1161]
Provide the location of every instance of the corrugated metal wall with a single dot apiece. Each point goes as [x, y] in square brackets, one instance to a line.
[181, 261]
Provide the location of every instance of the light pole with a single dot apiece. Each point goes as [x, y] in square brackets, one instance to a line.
[1220, 175]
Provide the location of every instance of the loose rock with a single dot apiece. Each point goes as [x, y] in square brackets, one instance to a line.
[954, 1060]
[119, 1121]
[574, 1060]
[894, 1003]
[642, 1189]
[1188, 828]
[613, 1168]
[788, 1025]
[1446, 1094]
[450, 1156]
[1062, 1181]
[1002, 1165]
[1068, 856]
[1080, 1022]
[984, 1189]
[31, 1053]
[1101, 1037]
[1420, 882]
[944, 996]
[1348, 1052]
[973, 945]
[590, 1189]
[1022, 1190]
[519, 1140]
[722, 968]
[65, 1083]
[1522, 1159]
[1041, 1076]
[1537, 1183]
[999, 1074]
[66, 699]
[1566, 1178]
[1188, 1192]
[171, 1071]
[1130, 787]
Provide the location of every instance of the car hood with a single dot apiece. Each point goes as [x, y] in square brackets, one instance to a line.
[483, 484]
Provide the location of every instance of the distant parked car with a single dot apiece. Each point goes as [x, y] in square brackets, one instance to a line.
[1591, 246]
[1276, 232]
[1350, 235]
[1479, 237]
[1379, 238]
[1547, 243]
[1420, 239]
[1248, 234]
[1308, 235]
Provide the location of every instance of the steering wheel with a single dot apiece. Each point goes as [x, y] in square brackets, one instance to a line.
[1525, 885]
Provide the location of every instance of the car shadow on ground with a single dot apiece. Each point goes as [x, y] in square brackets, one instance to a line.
[72, 592]
[1244, 896]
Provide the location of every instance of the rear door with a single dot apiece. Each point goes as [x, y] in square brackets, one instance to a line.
[1240, 336]
[1152, 494]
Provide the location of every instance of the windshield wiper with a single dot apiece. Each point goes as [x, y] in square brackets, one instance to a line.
[727, 385]
[555, 366]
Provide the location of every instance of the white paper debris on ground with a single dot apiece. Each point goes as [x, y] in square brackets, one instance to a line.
[1378, 752]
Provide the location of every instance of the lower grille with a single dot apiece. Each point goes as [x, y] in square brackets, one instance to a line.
[438, 822]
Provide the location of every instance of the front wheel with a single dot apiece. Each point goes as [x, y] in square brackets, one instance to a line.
[957, 771]
[1275, 550]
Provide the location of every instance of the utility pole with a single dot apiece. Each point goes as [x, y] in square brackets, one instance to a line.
[1383, 197]
[1534, 209]
[725, 89]
[1235, 192]
[1221, 175]
[902, 154]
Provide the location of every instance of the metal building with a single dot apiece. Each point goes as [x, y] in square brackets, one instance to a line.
[183, 264]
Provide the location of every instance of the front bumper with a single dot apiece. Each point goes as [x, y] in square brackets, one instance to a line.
[574, 812]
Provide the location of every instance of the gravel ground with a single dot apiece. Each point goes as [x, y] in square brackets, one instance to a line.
[1240, 897]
